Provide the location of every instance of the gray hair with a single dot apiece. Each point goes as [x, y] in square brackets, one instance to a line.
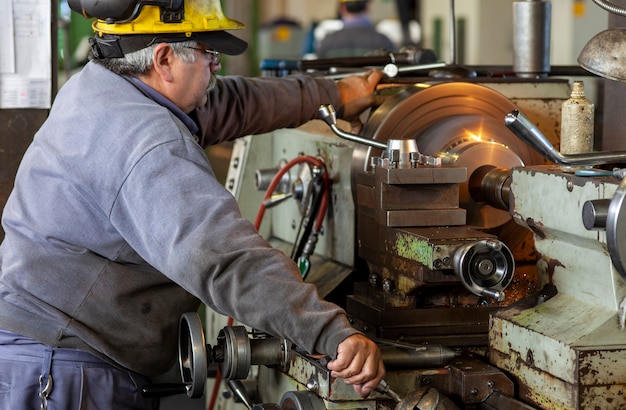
[140, 62]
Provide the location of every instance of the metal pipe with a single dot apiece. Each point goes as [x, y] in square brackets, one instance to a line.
[521, 126]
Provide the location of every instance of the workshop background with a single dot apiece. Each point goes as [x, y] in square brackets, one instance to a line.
[283, 29]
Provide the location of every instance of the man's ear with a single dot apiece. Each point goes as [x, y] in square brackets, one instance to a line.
[163, 58]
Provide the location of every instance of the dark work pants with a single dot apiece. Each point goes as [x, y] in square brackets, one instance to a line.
[76, 380]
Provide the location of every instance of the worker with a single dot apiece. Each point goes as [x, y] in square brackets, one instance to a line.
[116, 225]
[358, 37]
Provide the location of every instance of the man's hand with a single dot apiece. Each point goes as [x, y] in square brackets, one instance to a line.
[358, 94]
[359, 363]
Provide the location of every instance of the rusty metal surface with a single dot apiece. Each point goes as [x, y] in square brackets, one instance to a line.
[567, 352]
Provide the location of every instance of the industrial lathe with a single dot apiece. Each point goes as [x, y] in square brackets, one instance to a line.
[489, 267]
[488, 264]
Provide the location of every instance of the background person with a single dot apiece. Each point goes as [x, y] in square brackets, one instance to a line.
[358, 37]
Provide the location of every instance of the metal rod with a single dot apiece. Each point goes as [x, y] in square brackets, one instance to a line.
[389, 70]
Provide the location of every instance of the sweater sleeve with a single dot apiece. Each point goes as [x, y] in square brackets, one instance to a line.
[276, 103]
[188, 226]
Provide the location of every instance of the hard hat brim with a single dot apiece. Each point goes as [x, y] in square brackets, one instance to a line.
[221, 41]
[116, 46]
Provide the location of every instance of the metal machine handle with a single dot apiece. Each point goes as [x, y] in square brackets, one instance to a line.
[329, 115]
[521, 126]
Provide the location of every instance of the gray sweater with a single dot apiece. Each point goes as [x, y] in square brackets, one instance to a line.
[117, 225]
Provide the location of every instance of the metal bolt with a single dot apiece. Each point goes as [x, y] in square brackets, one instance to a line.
[474, 392]
[387, 285]
[394, 158]
[311, 385]
[373, 280]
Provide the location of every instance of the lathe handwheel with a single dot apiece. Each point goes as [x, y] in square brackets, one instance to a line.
[485, 267]
[192, 356]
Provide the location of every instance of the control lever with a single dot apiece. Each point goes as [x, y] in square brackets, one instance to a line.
[329, 115]
[521, 126]
[401, 153]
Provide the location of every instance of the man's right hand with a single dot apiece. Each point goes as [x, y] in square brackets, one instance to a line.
[359, 363]
[358, 93]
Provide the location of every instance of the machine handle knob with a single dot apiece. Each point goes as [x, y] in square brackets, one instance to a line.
[595, 213]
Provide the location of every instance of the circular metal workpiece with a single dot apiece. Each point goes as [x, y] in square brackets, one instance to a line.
[616, 229]
[460, 122]
[192, 356]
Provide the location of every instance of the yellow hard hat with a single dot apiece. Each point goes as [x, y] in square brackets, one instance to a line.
[124, 26]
